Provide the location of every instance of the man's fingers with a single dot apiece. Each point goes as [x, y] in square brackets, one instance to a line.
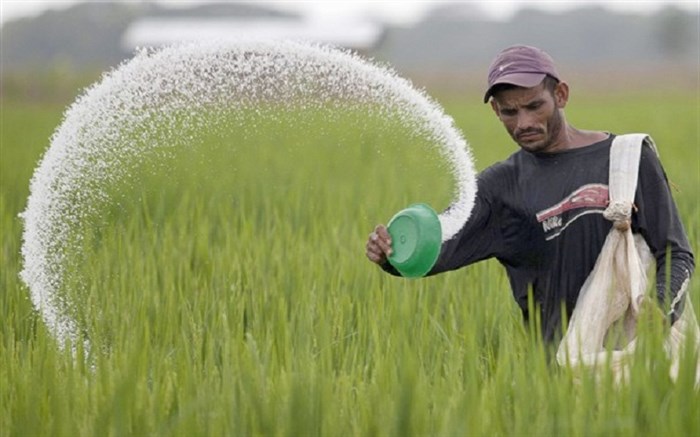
[382, 232]
[378, 246]
[374, 252]
[385, 246]
[381, 237]
[375, 258]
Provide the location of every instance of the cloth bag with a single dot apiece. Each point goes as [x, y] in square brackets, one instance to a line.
[612, 296]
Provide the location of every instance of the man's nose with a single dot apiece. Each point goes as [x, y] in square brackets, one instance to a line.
[524, 120]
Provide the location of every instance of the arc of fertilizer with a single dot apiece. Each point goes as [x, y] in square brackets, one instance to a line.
[91, 148]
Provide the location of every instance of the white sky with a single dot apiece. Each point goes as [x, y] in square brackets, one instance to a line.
[392, 11]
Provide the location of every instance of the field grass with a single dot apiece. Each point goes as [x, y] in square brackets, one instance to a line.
[227, 293]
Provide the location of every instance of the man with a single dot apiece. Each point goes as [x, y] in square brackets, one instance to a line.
[539, 212]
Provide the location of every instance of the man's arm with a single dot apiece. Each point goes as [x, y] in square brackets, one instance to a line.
[658, 221]
[478, 239]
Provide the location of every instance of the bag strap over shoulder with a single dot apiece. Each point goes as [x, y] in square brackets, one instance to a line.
[625, 154]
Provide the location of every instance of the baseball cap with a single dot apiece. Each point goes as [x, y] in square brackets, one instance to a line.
[520, 65]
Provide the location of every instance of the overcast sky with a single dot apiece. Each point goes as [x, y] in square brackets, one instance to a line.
[393, 11]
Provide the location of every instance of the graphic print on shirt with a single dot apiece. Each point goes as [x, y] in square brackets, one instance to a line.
[588, 199]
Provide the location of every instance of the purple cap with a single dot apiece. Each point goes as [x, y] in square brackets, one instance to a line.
[523, 66]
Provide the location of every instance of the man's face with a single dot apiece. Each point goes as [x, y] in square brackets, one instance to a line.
[532, 116]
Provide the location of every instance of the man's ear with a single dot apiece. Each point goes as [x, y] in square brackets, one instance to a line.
[494, 106]
[561, 94]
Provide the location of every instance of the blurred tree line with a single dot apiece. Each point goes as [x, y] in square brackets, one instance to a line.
[64, 49]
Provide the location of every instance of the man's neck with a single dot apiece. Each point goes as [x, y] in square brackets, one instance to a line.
[571, 138]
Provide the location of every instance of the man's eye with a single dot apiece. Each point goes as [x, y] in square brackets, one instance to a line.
[508, 112]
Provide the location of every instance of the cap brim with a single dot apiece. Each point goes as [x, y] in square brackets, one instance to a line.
[525, 80]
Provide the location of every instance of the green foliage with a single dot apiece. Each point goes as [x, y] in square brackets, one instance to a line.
[225, 292]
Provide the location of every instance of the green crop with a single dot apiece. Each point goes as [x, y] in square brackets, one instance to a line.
[225, 291]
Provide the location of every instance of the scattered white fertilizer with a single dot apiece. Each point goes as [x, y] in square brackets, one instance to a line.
[155, 99]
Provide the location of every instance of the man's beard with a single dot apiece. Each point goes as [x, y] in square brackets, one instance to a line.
[554, 126]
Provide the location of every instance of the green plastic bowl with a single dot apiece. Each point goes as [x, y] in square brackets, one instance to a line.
[416, 237]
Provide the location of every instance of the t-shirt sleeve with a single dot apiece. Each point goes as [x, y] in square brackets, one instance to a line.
[480, 237]
[658, 221]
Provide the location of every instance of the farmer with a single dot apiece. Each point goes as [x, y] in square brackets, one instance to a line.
[539, 212]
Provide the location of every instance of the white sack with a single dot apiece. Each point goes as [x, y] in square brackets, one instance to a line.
[611, 298]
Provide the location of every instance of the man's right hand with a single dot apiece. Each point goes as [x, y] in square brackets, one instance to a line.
[378, 246]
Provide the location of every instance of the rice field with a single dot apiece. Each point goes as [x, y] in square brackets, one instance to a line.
[226, 292]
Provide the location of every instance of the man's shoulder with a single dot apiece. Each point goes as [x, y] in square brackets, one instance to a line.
[649, 155]
[504, 168]
[499, 177]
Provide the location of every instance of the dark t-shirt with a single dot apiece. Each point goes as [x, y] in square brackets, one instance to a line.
[541, 216]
